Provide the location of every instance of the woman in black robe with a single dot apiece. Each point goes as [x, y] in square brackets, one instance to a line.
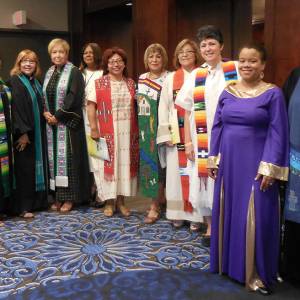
[6, 150]
[67, 151]
[28, 136]
[291, 245]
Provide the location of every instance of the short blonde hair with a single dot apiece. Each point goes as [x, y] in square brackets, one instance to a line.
[58, 42]
[26, 54]
[179, 47]
[156, 48]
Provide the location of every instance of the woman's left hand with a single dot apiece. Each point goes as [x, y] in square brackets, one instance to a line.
[52, 121]
[266, 181]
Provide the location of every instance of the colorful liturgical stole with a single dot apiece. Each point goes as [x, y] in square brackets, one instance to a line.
[230, 74]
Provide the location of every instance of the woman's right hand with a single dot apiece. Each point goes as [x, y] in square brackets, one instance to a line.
[95, 135]
[47, 115]
[189, 151]
[22, 142]
[212, 173]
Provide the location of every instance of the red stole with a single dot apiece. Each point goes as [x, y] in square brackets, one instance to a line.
[178, 81]
[106, 125]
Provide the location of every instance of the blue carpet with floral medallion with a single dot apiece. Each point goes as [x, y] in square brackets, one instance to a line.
[84, 255]
[56, 247]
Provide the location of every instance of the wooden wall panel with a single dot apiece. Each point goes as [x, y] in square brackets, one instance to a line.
[112, 27]
[166, 22]
[282, 21]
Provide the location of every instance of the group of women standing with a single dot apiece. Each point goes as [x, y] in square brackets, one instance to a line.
[214, 136]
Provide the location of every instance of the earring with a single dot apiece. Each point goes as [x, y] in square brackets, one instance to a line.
[261, 75]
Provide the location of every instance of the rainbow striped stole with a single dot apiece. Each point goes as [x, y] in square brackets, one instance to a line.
[230, 75]
[151, 84]
[4, 152]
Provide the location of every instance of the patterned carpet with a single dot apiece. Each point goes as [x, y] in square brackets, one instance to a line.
[54, 247]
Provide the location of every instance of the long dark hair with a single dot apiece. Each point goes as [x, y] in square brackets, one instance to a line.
[97, 56]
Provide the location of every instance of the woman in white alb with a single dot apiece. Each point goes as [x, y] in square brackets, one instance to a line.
[91, 70]
[210, 78]
[186, 59]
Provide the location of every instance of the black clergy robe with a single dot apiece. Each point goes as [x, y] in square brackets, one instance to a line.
[26, 198]
[291, 244]
[78, 190]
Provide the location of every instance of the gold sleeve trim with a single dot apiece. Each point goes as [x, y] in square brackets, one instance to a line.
[269, 169]
[213, 162]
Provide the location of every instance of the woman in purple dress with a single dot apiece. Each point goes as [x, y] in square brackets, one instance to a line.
[248, 155]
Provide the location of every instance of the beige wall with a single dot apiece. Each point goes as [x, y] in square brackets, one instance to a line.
[41, 14]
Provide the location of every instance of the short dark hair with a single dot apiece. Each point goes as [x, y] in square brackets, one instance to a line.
[210, 32]
[108, 53]
[258, 47]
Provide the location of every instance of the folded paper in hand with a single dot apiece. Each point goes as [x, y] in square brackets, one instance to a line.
[97, 149]
[173, 127]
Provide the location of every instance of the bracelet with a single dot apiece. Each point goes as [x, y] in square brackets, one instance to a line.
[188, 144]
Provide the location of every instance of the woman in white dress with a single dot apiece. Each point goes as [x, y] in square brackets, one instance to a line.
[186, 59]
[151, 174]
[199, 97]
[91, 70]
[117, 124]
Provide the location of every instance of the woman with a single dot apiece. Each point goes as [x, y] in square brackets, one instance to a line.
[199, 97]
[6, 148]
[151, 176]
[291, 259]
[68, 163]
[118, 126]
[250, 138]
[186, 58]
[28, 135]
[91, 70]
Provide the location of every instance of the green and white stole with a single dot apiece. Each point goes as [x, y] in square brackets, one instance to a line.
[4, 158]
[39, 169]
[58, 165]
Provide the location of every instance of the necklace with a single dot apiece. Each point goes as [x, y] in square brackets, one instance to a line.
[86, 81]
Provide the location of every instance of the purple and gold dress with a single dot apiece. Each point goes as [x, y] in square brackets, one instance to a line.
[249, 136]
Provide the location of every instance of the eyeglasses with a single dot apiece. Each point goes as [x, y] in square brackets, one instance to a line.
[187, 53]
[28, 61]
[117, 62]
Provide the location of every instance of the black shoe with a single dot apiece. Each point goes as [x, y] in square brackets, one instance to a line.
[205, 241]
[263, 291]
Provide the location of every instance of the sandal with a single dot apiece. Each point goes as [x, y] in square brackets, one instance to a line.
[55, 206]
[195, 226]
[125, 212]
[153, 215]
[1, 224]
[66, 207]
[27, 215]
[177, 223]
[109, 209]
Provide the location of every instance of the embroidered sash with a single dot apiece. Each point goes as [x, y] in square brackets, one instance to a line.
[39, 169]
[178, 81]
[4, 152]
[147, 117]
[58, 165]
[230, 74]
[106, 125]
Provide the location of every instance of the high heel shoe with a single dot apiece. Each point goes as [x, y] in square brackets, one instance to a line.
[263, 290]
